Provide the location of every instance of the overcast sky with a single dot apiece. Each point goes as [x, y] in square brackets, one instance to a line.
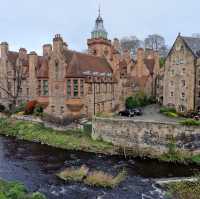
[31, 23]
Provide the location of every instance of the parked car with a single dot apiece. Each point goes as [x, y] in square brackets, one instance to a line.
[137, 111]
[127, 113]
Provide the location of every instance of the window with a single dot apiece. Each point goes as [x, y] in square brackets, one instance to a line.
[199, 95]
[9, 86]
[68, 88]
[98, 88]
[56, 70]
[62, 110]
[172, 83]
[199, 82]
[172, 94]
[75, 83]
[183, 83]
[90, 89]
[52, 109]
[39, 87]
[45, 88]
[183, 70]
[183, 95]
[27, 91]
[172, 72]
[82, 87]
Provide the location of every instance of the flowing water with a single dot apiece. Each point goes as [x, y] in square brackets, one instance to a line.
[35, 165]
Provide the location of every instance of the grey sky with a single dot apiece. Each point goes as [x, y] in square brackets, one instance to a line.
[31, 23]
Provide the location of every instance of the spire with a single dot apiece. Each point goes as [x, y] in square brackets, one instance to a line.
[99, 9]
[99, 30]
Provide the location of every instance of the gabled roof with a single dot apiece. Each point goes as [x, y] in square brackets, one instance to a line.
[194, 44]
[79, 64]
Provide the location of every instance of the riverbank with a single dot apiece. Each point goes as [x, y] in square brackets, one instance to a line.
[81, 140]
[70, 139]
[16, 190]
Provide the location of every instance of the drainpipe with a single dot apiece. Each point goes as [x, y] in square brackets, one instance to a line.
[94, 90]
[195, 71]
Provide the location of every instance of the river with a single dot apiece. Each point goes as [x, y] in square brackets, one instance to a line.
[35, 165]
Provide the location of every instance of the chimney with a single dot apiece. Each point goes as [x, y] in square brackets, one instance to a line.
[47, 49]
[140, 55]
[157, 62]
[57, 43]
[4, 49]
[116, 44]
[22, 53]
[33, 64]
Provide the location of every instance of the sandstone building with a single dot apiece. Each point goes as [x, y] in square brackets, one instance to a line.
[74, 83]
[182, 75]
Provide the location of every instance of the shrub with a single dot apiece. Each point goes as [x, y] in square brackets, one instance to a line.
[20, 108]
[2, 108]
[139, 100]
[74, 174]
[15, 190]
[38, 111]
[30, 106]
[190, 122]
[101, 179]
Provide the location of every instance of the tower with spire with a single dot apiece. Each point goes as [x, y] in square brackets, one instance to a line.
[99, 30]
[99, 44]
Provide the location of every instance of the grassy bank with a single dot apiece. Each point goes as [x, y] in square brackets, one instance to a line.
[184, 190]
[71, 140]
[15, 190]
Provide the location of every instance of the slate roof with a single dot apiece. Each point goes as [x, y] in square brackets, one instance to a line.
[79, 64]
[194, 44]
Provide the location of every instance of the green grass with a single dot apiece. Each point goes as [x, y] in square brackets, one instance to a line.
[190, 122]
[94, 178]
[102, 179]
[170, 114]
[16, 190]
[71, 139]
[73, 174]
[184, 190]
[167, 109]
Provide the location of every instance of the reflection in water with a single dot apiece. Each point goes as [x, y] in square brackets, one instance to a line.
[35, 166]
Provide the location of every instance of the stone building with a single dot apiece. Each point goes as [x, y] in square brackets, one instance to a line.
[182, 75]
[71, 83]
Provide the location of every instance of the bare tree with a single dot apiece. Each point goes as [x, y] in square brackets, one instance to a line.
[156, 42]
[11, 82]
[131, 43]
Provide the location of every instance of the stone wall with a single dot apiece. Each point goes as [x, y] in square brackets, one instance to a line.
[146, 137]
